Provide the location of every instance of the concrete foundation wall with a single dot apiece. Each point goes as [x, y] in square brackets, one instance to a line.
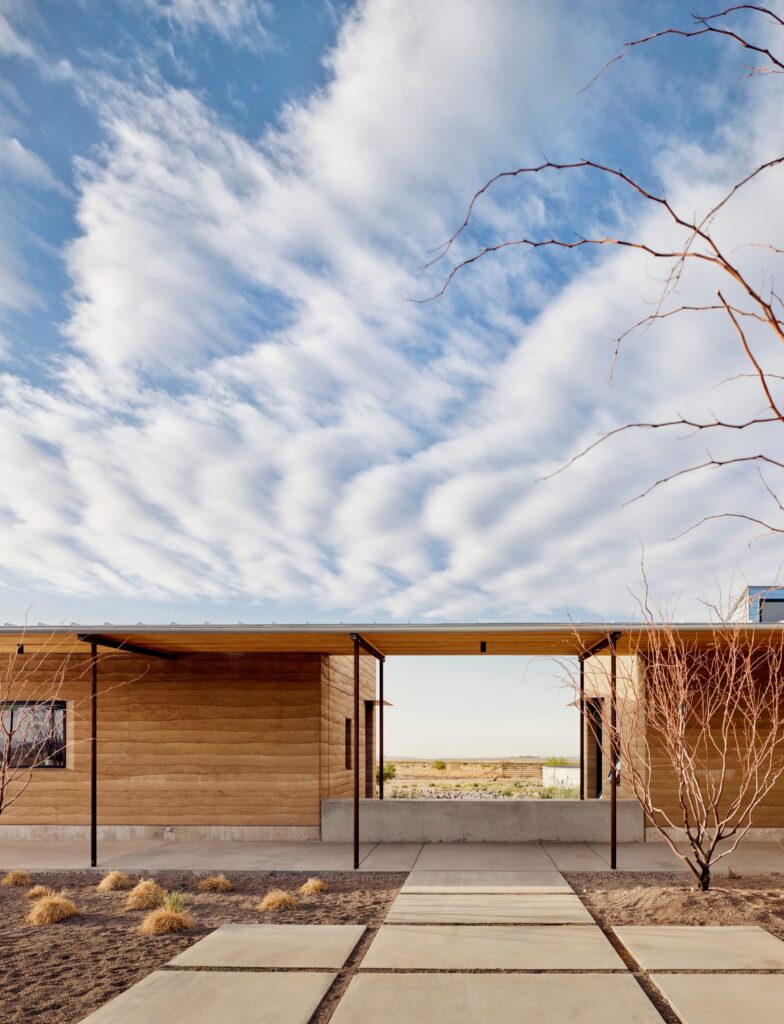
[512, 821]
[145, 833]
[755, 835]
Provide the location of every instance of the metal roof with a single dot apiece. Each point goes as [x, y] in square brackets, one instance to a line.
[511, 638]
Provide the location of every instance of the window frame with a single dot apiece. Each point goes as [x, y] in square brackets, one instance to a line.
[54, 705]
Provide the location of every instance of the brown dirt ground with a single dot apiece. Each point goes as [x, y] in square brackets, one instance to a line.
[59, 974]
[658, 898]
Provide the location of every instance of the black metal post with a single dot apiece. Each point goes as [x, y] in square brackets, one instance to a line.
[94, 756]
[613, 756]
[582, 728]
[381, 730]
[356, 753]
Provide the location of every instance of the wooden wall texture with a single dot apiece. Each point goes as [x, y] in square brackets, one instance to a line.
[769, 813]
[205, 740]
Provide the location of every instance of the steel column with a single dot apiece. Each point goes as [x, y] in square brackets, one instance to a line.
[356, 753]
[582, 727]
[613, 755]
[94, 755]
[381, 730]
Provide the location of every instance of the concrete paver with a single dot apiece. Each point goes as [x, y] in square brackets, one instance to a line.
[500, 998]
[213, 997]
[685, 948]
[485, 881]
[273, 945]
[641, 857]
[487, 908]
[724, 999]
[752, 858]
[68, 854]
[216, 855]
[464, 947]
[484, 857]
[391, 857]
[575, 857]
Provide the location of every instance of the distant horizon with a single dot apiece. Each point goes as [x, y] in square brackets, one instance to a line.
[476, 757]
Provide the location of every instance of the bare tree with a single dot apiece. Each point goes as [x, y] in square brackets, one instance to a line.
[700, 733]
[33, 734]
[750, 309]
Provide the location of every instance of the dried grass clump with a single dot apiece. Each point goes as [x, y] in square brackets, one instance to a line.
[16, 878]
[215, 883]
[38, 891]
[312, 886]
[115, 881]
[277, 899]
[168, 918]
[145, 895]
[51, 909]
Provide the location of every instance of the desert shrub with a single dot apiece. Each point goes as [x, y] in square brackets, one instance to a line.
[557, 762]
[115, 881]
[214, 883]
[312, 886]
[16, 878]
[390, 771]
[51, 909]
[170, 917]
[277, 899]
[38, 891]
[145, 895]
[440, 766]
[559, 793]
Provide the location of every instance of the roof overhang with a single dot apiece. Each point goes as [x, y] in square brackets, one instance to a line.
[481, 639]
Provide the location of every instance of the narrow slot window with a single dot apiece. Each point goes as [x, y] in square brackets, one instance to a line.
[348, 744]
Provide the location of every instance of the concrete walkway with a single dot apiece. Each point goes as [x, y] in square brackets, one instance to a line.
[477, 935]
[53, 855]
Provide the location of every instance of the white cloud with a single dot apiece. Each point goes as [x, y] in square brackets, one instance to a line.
[28, 165]
[11, 43]
[351, 449]
[243, 22]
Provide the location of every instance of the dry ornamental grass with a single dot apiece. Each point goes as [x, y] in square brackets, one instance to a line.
[277, 899]
[312, 886]
[115, 881]
[39, 891]
[51, 909]
[16, 878]
[168, 918]
[214, 883]
[145, 895]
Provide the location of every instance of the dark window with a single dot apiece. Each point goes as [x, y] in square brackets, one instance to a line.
[348, 744]
[33, 734]
[771, 609]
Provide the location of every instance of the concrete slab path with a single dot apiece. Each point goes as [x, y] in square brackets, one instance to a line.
[486, 881]
[500, 998]
[66, 855]
[216, 855]
[487, 908]
[273, 945]
[484, 857]
[215, 997]
[490, 947]
[685, 948]
[724, 999]
[391, 857]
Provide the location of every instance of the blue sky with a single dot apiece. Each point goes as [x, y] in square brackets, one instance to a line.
[219, 402]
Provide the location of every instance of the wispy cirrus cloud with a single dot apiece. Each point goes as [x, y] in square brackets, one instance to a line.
[241, 22]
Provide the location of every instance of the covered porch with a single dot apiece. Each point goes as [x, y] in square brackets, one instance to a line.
[369, 825]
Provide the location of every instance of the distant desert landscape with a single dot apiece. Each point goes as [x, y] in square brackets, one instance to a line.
[515, 778]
